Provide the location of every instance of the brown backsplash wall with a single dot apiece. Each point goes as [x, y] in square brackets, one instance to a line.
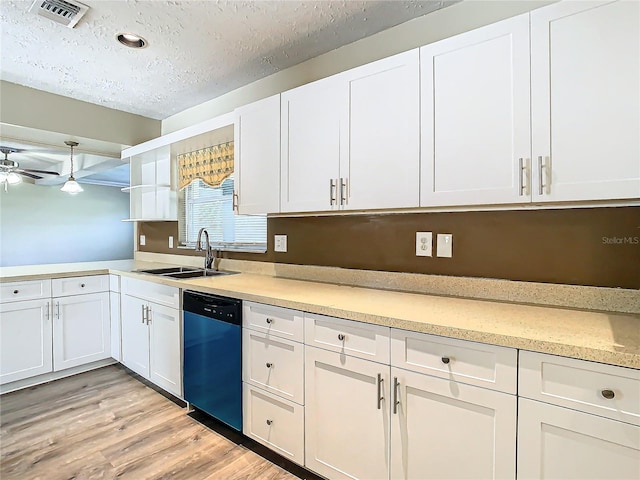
[589, 246]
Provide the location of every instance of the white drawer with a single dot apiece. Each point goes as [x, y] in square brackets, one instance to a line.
[274, 422]
[488, 366]
[273, 364]
[279, 321]
[151, 291]
[62, 287]
[114, 283]
[581, 385]
[27, 290]
[358, 339]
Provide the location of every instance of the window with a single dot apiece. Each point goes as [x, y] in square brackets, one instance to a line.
[212, 208]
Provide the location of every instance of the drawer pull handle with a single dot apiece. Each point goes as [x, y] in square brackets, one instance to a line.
[269, 422]
[446, 360]
[608, 394]
[82, 285]
[269, 365]
[341, 337]
[269, 321]
[15, 292]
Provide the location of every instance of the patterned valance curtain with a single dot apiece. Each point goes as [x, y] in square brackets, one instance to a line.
[211, 165]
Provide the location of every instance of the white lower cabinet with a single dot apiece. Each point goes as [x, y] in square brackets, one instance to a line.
[346, 416]
[81, 329]
[442, 429]
[577, 419]
[273, 378]
[25, 339]
[274, 422]
[151, 342]
[560, 443]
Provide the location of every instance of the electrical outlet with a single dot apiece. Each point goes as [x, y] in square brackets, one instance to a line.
[143, 240]
[445, 245]
[424, 244]
[280, 243]
[170, 242]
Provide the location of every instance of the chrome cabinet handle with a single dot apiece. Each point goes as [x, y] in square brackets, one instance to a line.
[541, 171]
[396, 402]
[343, 191]
[332, 189]
[269, 364]
[58, 310]
[234, 201]
[143, 313]
[341, 337]
[445, 360]
[269, 422]
[523, 177]
[47, 312]
[380, 397]
[608, 393]
[148, 315]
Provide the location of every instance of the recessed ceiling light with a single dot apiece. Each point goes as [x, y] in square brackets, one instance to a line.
[131, 40]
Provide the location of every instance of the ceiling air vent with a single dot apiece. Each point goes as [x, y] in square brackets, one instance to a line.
[66, 12]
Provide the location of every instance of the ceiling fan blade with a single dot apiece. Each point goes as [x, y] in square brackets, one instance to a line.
[26, 174]
[33, 170]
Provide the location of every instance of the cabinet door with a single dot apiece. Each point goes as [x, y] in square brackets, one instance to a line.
[135, 335]
[165, 348]
[444, 430]
[81, 330]
[557, 442]
[476, 115]
[25, 340]
[314, 121]
[257, 162]
[346, 416]
[383, 168]
[585, 92]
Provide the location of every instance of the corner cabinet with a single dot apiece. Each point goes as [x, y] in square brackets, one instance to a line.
[351, 141]
[257, 157]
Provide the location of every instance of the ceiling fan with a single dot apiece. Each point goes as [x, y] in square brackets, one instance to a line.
[10, 169]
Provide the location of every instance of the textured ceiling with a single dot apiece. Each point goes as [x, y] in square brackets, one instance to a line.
[198, 50]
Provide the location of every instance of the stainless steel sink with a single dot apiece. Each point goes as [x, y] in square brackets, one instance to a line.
[184, 272]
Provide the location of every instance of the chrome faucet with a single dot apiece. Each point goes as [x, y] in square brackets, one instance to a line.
[209, 256]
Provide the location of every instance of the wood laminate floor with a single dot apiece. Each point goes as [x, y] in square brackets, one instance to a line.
[105, 424]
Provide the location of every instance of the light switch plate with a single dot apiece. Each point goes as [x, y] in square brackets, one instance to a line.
[280, 243]
[424, 244]
[143, 240]
[444, 246]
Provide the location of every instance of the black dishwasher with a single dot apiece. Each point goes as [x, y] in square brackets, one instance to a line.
[212, 377]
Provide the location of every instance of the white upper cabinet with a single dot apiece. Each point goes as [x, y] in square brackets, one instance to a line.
[257, 157]
[352, 141]
[585, 97]
[475, 116]
[383, 169]
[314, 122]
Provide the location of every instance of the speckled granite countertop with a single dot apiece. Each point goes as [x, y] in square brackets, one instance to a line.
[612, 338]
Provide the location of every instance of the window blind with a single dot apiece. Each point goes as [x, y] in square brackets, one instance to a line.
[202, 206]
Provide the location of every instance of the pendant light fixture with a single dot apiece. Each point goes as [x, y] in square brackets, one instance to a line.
[71, 186]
